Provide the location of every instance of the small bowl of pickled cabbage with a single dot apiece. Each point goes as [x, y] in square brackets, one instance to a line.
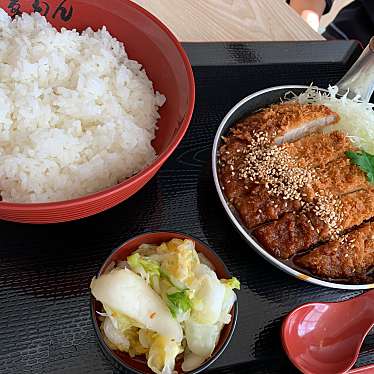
[164, 303]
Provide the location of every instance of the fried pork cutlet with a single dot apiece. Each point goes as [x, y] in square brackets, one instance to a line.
[339, 177]
[318, 149]
[258, 206]
[315, 150]
[254, 202]
[295, 232]
[304, 120]
[351, 256]
[285, 122]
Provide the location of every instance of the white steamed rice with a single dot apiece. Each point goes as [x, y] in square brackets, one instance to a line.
[76, 115]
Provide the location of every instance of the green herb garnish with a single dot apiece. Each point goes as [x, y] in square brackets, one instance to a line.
[179, 302]
[365, 161]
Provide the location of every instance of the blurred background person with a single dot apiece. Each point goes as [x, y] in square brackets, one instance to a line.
[354, 21]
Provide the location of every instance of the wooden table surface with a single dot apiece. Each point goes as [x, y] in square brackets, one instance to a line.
[231, 20]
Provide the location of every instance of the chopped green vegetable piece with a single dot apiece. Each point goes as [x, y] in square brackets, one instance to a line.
[232, 283]
[179, 302]
[133, 260]
[178, 285]
[365, 161]
[148, 265]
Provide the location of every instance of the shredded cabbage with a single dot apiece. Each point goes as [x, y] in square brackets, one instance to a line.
[356, 116]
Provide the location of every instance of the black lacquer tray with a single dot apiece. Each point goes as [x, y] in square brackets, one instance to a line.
[45, 271]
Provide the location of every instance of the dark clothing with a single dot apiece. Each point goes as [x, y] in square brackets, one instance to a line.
[355, 21]
[328, 6]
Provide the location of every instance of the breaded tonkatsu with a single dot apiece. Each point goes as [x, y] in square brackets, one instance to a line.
[296, 189]
[257, 206]
[285, 122]
[296, 232]
[338, 178]
[351, 256]
[318, 149]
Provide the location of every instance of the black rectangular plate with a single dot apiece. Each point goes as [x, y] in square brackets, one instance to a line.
[45, 271]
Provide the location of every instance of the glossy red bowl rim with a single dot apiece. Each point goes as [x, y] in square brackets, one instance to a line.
[234, 311]
[160, 159]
